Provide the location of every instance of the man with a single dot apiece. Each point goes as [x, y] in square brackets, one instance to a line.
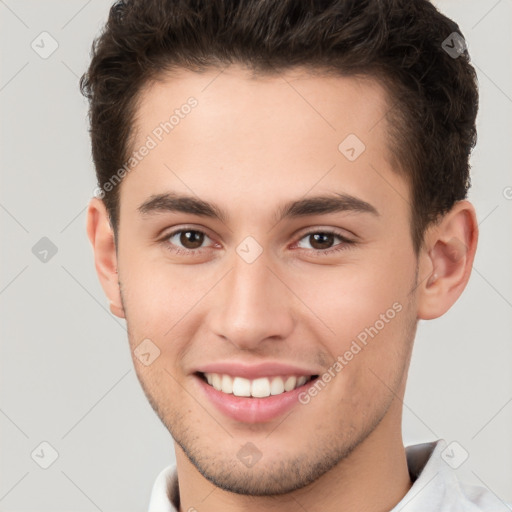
[282, 196]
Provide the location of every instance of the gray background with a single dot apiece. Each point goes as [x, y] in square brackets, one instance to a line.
[66, 373]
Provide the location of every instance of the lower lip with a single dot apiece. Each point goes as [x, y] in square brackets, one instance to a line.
[252, 410]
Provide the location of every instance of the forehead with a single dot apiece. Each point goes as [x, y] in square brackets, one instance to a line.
[264, 136]
[328, 104]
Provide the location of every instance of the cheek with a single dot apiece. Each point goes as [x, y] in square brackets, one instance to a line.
[350, 300]
[157, 296]
[161, 303]
[364, 313]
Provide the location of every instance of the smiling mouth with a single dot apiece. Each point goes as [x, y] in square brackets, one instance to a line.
[261, 387]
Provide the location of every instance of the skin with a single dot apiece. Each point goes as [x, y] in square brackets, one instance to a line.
[251, 145]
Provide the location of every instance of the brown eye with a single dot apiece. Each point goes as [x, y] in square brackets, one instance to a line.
[185, 240]
[191, 239]
[321, 240]
[324, 242]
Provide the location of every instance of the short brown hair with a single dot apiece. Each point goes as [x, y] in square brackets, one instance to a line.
[405, 44]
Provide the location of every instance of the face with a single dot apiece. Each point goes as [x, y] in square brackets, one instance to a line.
[289, 261]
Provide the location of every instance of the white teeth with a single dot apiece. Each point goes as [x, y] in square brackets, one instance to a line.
[290, 383]
[216, 382]
[277, 386]
[227, 384]
[241, 386]
[259, 388]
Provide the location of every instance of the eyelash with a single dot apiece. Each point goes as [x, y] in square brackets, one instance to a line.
[346, 243]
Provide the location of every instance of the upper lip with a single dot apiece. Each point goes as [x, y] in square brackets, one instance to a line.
[253, 371]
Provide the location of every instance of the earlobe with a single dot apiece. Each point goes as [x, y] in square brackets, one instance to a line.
[117, 310]
[447, 261]
[101, 237]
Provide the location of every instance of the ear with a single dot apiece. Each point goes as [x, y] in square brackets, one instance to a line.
[101, 235]
[446, 260]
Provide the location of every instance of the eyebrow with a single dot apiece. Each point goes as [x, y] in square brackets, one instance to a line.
[317, 205]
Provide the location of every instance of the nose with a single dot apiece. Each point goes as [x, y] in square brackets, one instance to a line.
[252, 305]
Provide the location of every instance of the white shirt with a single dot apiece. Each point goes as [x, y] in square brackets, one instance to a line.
[435, 487]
